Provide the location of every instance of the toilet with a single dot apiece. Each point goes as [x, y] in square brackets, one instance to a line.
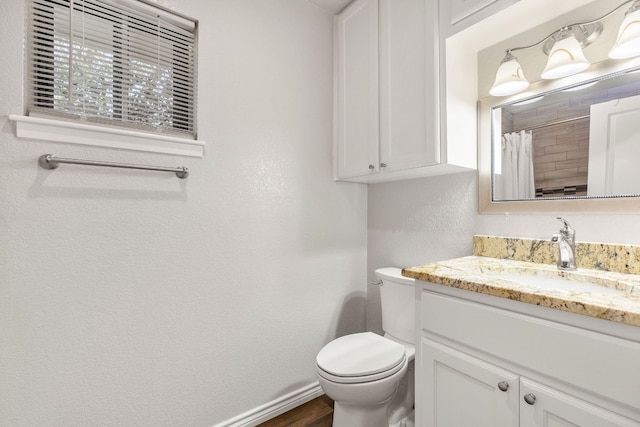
[371, 377]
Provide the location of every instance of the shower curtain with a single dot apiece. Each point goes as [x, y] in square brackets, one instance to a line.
[517, 166]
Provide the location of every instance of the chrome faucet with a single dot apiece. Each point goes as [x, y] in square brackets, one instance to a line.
[566, 240]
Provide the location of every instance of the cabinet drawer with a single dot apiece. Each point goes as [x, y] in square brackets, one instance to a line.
[606, 365]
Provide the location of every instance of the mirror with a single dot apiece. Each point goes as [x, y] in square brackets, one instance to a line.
[582, 141]
[577, 138]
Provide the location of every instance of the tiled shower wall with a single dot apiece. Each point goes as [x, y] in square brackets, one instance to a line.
[561, 159]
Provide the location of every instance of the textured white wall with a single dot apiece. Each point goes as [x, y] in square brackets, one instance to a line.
[425, 220]
[417, 221]
[134, 298]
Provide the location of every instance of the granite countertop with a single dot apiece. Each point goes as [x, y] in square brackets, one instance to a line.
[608, 295]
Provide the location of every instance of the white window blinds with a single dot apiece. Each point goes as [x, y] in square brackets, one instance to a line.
[126, 63]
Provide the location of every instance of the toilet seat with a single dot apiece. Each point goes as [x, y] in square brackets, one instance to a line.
[359, 358]
[363, 378]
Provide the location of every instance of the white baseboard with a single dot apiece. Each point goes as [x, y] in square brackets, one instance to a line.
[274, 408]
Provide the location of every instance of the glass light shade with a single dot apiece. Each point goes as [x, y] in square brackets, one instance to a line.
[509, 78]
[627, 44]
[565, 59]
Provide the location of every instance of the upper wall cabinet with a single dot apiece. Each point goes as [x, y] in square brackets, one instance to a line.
[387, 93]
[459, 14]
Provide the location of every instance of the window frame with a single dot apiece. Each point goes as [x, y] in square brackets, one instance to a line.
[79, 129]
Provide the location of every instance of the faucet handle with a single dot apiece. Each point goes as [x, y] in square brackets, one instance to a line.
[566, 231]
[567, 228]
[564, 221]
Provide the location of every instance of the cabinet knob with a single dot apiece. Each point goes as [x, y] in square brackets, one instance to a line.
[371, 167]
[503, 386]
[383, 165]
[530, 398]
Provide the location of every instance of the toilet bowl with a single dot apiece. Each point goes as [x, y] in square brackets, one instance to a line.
[361, 372]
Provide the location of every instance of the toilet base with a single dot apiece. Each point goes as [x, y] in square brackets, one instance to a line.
[408, 421]
[400, 412]
[345, 416]
[370, 415]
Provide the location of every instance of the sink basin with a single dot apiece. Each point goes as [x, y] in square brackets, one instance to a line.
[547, 276]
[559, 283]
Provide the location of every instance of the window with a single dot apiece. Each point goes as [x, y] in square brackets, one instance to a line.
[116, 63]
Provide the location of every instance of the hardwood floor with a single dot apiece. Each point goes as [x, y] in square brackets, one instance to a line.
[315, 413]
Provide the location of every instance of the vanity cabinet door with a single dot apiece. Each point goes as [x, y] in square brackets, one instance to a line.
[543, 406]
[461, 390]
[357, 124]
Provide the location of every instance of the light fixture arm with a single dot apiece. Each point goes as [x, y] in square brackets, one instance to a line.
[567, 27]
[606, 15]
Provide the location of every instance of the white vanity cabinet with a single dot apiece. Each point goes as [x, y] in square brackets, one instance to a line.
[482, 361]
[387, 98]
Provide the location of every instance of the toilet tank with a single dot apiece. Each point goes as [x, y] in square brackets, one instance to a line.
[397, 298]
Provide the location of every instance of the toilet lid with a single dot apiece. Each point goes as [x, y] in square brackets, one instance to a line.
[359, 355]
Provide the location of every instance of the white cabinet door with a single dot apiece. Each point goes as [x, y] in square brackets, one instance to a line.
[546, 407]
[357, 127]
[407, 86]
[461, 390]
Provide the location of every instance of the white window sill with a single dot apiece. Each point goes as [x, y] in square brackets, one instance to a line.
[78, 133]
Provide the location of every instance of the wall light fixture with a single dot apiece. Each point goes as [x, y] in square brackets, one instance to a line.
[628, 43]
[564, 48]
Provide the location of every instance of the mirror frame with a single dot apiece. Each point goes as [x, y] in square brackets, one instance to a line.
[560, 205]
